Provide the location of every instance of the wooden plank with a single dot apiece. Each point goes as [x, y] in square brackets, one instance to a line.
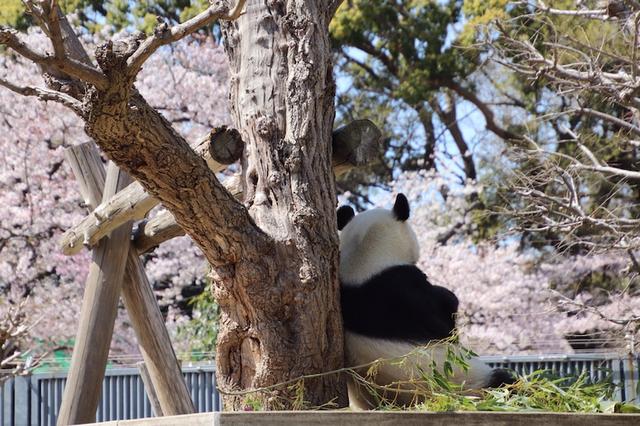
[355, 145]
[87, 167]
[423, 419]
[201, 419]
[389, 418]
[100, 301]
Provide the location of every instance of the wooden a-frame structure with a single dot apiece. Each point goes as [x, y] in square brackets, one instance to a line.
[117, 271]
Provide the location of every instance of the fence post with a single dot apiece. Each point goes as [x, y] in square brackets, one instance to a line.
[21, 405]
[34, 389]
[632, 378]
[7, 402]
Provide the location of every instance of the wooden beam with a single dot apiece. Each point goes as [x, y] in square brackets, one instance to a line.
[354, 145]
[159, 357]
[144, 312]
[102, 291]
[149, 389]
[221, 147]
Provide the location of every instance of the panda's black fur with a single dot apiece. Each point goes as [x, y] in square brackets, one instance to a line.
[400, 304]
[388, 304]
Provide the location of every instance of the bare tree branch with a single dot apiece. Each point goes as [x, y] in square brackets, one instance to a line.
[54, 31]
[488, 114]
[593, 13]
[368, 48]
[582, 190]
[610, 170]
[163, 34]
[596, 165]
[44, 94]
[450, 119]
[70, 66]
[610, 118]
[362, 65]
[586, 74]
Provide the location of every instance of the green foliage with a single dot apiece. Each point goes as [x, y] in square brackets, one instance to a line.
[534, 392]
[93, 14]
[392, 53]
[202, 330]
[538, 391]
[480, 13]
[406, 42]
[401, 59]
[13, 12]
[252, 403]
[117, 11]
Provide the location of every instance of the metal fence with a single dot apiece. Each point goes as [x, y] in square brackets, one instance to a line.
[623, 370]
[36, 399]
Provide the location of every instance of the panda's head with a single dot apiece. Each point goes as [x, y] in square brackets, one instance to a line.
[375, 240]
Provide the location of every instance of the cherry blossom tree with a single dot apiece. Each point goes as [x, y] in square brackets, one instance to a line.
[42, 199]
[515, 301]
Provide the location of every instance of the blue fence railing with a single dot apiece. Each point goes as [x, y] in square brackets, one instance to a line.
[622, 369]
[35, 399]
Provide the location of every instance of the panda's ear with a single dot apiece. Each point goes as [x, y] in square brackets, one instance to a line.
[401, 208]
[345, 214]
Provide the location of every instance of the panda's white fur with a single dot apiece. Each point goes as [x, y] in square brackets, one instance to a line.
[361, 350]
[370, 243]
[374, 241]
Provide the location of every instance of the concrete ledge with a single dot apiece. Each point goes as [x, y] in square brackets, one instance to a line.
[349, 418]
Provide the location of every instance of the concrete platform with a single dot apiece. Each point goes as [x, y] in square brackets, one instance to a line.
[349, 418]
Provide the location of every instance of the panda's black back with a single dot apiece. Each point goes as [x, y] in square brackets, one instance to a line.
[399, 304]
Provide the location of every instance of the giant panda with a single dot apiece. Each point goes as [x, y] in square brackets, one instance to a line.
[389, 308]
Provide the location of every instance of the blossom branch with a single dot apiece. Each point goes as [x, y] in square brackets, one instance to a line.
[632, 320]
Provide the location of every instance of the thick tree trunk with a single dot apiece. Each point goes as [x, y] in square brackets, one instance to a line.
[276, 284]
[282, 94]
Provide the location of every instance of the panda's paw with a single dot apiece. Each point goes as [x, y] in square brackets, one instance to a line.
[500, 377]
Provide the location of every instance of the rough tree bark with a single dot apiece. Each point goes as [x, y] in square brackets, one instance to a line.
[282, 95]
[276, 283]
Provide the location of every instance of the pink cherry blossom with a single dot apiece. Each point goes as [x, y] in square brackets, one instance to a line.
[40, 198]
